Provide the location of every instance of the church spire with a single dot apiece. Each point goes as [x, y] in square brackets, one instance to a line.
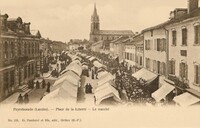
[95, 10]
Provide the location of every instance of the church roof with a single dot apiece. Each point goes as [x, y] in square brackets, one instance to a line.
[116, 32]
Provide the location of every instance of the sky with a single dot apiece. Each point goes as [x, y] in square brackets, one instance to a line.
[63, 20]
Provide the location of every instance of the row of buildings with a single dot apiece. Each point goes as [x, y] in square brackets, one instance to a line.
[22, 52]
[169, 49]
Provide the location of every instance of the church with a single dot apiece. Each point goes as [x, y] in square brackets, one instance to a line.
[104, 35]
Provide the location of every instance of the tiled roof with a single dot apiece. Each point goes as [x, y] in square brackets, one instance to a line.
[193, 14]
[116, 32]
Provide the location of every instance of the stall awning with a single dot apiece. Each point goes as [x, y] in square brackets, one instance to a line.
[85, 67]
[75, 67]
[162, 92]
[105, 79]
[59, 81]
[92, 58]
[144, 74]
[68, 90]
[77, 62]
[104, 92]
[97, 64]
[84, 63]
[67, 76]
[101, 74]
[87, 57]
[186, 99]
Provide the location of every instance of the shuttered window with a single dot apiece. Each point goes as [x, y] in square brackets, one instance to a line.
[184, 36]
[197, 74]
[183, 70]
[174, 38]
[197, 34]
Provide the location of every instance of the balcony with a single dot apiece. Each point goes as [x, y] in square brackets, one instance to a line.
[179, 82]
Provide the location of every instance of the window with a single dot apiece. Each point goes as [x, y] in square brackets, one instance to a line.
[29, 48]
[163, 68]
[6, 50]
[148, 63]
[158, 67]
[136, 59]
[184, 36]
[33, 48]
[183, 52]
[172, 67]
[29, 70]
[33, 69]
[151, 33]
[197, 74]
[183, 70]
[6, 80]
[158, 44]
[154, 65]
[140, 60]
[12, 78]
[25, 50]
[155, 44]
[164, 46]
[127, 56]
[12, 50]
[174, 38]
[25, 72]
[197, 34]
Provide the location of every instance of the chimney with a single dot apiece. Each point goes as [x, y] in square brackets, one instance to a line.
[3, 21]
[192, 5]
[27, 28]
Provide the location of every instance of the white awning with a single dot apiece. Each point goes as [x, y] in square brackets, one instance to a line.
[59, 81]
[85, 67]
[66, 94]
[102, 74]
[162, 92]
[77, 62]
[144, 74]
[105, 79]
[84, 63]
[75, 67]
[106, 91]
[186, 99]
[92, 58]
[87, 57]
[97, 64]
[67, 76]
[68, 90]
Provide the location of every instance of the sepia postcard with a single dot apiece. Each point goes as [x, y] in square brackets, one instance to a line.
[99, 64]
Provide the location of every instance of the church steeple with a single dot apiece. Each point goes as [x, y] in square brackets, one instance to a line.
[95, 26]
[95, 11]
[95, 16]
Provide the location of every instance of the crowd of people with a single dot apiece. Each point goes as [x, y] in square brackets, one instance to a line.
[23, 99]
[128, 87]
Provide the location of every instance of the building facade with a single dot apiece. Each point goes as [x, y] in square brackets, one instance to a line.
[184, 42]
[155, 50]
[19, 55]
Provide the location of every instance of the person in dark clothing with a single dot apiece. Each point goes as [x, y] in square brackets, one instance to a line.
[43, 83]
[48, 87]
[26, 98]
[20, 99]
[86, 88]
[37, 85]
[90, 88]
[92, 74]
